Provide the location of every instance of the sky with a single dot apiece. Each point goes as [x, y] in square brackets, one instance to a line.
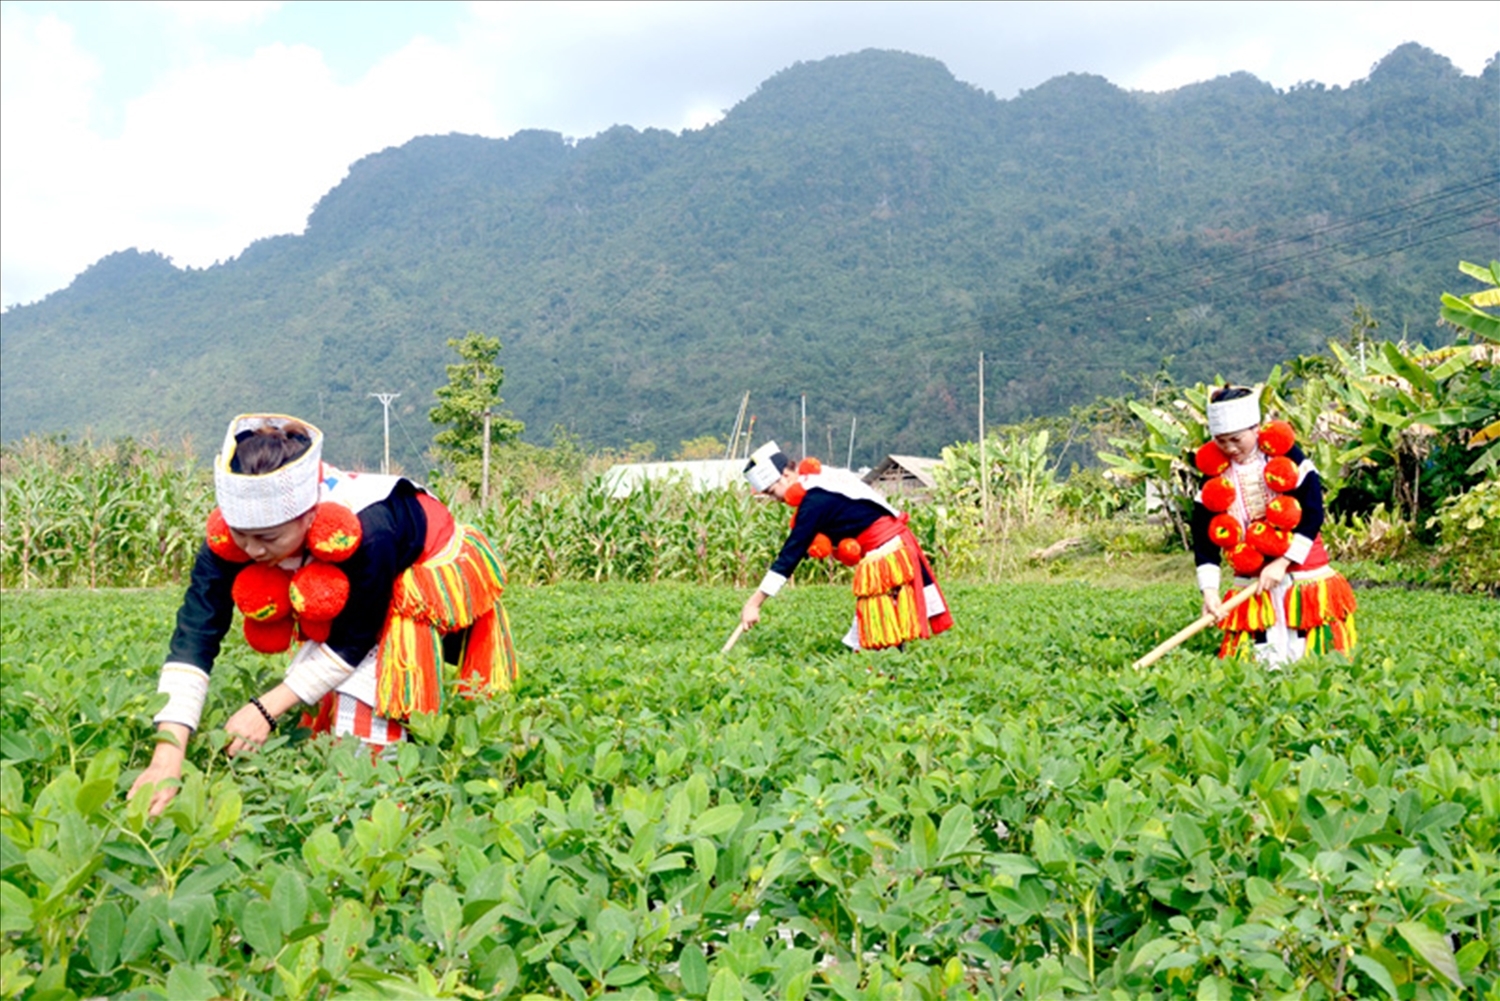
[195, 128]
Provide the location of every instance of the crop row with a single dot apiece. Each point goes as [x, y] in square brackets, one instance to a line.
[1007, 811]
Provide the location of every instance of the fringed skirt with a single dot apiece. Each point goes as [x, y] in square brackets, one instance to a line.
[1312, 612]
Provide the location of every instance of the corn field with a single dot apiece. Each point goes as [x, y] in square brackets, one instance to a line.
[76, 514]
[131, 515]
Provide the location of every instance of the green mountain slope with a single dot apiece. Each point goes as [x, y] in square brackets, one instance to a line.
[858, 230]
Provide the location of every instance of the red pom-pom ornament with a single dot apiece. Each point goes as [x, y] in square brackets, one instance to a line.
[335, 533]
[849, 552]
[269, 637]
[1276, 437]
[316, 630]
[1268, 539]
[1225, 531]
[319, 591]
[1246, 559]
[1218, 493]
[795, 493]
[809, 467]
[821, 547]
[221, 541]
[262, 593]
[1281, 475]
[1210, 459]
[1284, 512]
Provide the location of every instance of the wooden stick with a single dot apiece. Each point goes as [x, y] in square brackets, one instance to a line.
[734, 637]
[1202, 623]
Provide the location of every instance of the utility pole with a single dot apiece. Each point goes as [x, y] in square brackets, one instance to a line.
[484, 477]
[984, 466]
[804, 426]
[385, 402]
[849, 462]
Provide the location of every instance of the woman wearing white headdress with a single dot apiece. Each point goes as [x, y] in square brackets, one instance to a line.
[366, 577]
[896, 597]
[1261, 507]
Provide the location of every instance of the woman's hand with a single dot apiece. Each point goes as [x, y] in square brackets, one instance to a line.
[1274, 573]
[1212, 605]
[249, 727]
[750, 613]
[164, 775]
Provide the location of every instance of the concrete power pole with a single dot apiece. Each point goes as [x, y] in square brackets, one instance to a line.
[385, 402]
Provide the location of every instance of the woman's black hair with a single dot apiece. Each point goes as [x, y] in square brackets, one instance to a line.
[266, 449]
[1229, 393]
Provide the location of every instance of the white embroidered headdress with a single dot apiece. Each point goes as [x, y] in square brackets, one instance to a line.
[261, 500]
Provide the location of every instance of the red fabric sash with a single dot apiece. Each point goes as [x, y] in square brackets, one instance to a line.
[440, 525]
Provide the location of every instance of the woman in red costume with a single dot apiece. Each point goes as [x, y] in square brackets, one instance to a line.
[896, 597]
[366, 578]
[1261, 507]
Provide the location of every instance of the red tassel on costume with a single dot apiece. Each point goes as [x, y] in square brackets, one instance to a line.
[262, 592]
[795, 494]
[1210, 459]
[1224, 530]
[335, 533]
[809, 467]
[319, 591]
[1268, 540]
[1281, 475]
[221, 542]
[1276, 437]
[849, 552]
[1284, 511]
[1245, 559]
[820, 548]
[274, 636]
[1218, 494]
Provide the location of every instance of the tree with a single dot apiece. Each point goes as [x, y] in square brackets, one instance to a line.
[473, 390]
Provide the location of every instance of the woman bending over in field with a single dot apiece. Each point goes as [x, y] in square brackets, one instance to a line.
[368, 577]
[896, 597]
[1261, 505]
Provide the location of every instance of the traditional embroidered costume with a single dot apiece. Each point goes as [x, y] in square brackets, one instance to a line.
[896, 596]
[386, 586]
[1268, 506]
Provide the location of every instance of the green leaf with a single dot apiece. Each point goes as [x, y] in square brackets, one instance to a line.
[955, 833]
[726, 987]
[719, 820]
[1433, 948]
[191, 982]
[348, 930]
[106, 930]
[259, 927]
[1377, 973]
[693, 969]
[567, 980]
[443, 913]
[289, 900]
[15, 908]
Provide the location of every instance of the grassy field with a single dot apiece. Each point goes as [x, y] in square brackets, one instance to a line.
[1007, 811]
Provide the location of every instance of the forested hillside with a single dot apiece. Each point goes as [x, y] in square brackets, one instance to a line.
[858, 230]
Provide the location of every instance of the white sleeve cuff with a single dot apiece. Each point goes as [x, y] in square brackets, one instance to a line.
[1298, 550]
[1208, 577]
[186, 687]
[771, 583]
[315, 671]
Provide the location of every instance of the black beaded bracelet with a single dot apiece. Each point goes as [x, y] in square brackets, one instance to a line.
[270, 720]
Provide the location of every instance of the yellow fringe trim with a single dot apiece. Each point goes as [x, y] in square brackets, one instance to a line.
[458, 588]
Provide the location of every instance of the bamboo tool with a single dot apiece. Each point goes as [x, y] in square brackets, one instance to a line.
[1203, 622]
[734, 637]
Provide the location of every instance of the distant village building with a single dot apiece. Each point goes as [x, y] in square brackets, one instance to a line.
[909, 477]
[699, 474]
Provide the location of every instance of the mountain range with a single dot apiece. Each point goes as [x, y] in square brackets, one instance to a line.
[858, 230]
